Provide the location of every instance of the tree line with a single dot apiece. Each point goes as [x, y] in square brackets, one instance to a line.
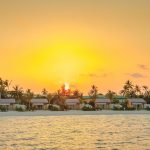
[21, 96]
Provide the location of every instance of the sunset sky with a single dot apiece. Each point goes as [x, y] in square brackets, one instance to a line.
[45, 43]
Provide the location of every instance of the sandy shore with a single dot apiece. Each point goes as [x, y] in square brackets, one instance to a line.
[72, 112]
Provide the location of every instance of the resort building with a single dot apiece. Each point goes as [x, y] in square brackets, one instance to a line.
[39, 104]
[103, 103]
[137, 103]
[73, 103]
[8, 103]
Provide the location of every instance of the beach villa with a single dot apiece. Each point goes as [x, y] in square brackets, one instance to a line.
[39, 104]
[103, 103]
[8, 103]
[137, 103]
[73, 103]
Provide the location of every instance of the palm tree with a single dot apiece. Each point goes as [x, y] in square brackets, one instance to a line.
[4, 85]
[145, 88]
[44, 92]
[29, 96]
[128, 90]
[129, 84]
[76, 93]
[137, 90]
[17, 93]
[93, 93]
[110, 94]
[49, 98]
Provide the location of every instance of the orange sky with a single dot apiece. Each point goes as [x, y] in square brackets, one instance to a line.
[45, 43]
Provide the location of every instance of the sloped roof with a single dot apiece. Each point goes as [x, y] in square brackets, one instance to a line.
[102, 100]
[72, 101]
[41, 100]
[89, 97]
[7, 101]
[120, 97]
[137, 100]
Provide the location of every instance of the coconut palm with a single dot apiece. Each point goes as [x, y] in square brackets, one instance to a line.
[49, 98]
[128, 90]
[29, 96]
[4, 86]
[145, 89]
[76, 93]
[137, 90]
[110, 94]
[129, 84]
[44, 92]
[17, 93]
[93, 92]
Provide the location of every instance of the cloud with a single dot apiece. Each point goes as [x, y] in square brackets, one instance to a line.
[104, 75]
[142, 66]
[136, 75]
[92, 75]
[72, 86]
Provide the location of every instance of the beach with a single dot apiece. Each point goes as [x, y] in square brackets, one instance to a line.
[72, 112]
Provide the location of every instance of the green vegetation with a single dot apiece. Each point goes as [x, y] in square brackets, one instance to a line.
[148, 108]
[3, 108]
[20, 109]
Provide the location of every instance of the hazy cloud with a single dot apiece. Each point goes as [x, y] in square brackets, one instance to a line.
[136, 75]
[93, 75]
[72, 86]
[142, 66]
[104, 75]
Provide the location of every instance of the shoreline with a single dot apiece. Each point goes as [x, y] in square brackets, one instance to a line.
[72, 113]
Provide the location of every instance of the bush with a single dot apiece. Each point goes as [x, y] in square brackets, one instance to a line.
[147, 108]
[20, 109]
[88, 107]
[117, 108]
[3, 108]
[131, 108]
[54, 107]
[98, 108]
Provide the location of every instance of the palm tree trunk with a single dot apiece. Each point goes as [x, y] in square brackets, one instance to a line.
[29, 104]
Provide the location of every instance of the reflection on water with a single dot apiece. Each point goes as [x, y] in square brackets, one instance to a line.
[112, 132]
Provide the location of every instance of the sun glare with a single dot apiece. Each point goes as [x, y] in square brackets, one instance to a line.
[67, 86]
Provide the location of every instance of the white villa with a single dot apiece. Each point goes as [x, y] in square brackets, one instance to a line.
[73, 103]
[103, 103]
[7, 103]
[137, 103]
[39, 104]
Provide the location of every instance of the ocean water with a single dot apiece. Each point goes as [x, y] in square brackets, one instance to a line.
[99, 132]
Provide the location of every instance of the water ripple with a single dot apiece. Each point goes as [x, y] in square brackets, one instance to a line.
[75, 132]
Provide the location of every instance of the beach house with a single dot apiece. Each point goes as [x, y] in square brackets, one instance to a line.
[73, 104]
[137, 103]
[102, 103]
[8, 103]
[39, 104]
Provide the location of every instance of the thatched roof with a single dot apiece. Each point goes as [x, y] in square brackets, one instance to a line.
[102, 101]
[137, 100]
[39, 101]
[72, 101]
[7, 101]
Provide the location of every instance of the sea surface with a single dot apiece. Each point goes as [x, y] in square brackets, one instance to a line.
[98, 132]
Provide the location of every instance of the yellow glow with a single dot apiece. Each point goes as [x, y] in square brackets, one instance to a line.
[76, 42]
[67, 87]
